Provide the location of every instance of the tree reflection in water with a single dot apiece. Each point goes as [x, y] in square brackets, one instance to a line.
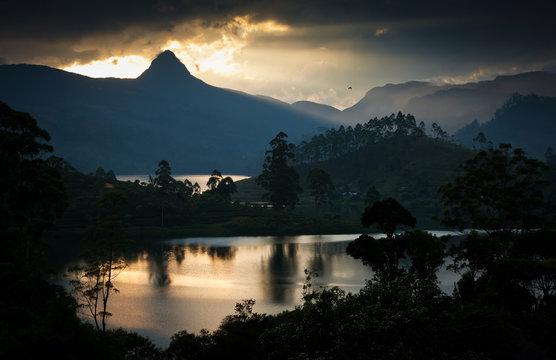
[158, 267]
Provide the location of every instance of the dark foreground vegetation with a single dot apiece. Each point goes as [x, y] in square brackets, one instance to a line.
[503, 307]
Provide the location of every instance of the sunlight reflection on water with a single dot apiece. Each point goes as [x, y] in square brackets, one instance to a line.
[193, 283]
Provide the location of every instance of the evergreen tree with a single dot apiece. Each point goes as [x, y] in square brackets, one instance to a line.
[279, 177]
[163, 178]
[32, 195]
[214, 180]
[321, 185]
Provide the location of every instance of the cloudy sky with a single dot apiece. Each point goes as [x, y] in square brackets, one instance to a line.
[288, 49]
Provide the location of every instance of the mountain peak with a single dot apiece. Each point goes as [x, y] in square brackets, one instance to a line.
[166, 66]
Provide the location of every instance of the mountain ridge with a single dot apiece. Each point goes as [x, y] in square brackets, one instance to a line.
[129, 125]
[525, 121]
[452, 106]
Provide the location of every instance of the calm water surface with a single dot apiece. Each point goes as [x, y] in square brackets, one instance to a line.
[193, 283]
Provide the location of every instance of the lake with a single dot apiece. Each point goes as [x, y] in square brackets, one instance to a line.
[193, 283]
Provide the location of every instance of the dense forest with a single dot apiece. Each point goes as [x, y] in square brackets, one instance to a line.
[503, 307]
[525, 121]
[335, 143]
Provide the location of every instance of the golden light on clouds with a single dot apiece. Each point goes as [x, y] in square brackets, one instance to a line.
[209, 50]
[217, 52]
[119, 67]
[381, 31]
[240, 54]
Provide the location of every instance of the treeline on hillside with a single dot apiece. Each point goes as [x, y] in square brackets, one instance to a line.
[409, 168]
[525, 121]
[335, 143]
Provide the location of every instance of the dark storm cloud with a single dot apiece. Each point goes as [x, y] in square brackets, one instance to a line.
[64, 18]
[468, 29]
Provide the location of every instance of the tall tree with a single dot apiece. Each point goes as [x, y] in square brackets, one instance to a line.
[279, 177]
[388, 215]
[32, 195]
[226, 188]
[94, 282]
[321, 186]
[214, 180]
[424, 251]
[500, 191]
[163, 178]
[166, 185]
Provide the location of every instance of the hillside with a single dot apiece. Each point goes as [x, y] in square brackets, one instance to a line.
[129, 125]
[449, 105]
[527, 122]
[409, 168]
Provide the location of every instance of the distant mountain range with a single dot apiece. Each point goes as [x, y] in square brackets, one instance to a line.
[129, 125]
[450, 106]
[524, 121]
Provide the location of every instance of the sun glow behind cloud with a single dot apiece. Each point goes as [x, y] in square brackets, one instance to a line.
[257, 57]
[216, 51]
[211, 50]
[120, 67]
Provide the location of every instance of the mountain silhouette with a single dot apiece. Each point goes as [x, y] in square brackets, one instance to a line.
[167, 71]
[165, 66]
[449, 105]
[525, 121]
[129, 125]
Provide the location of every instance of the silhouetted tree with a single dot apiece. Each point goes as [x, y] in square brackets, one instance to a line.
[438, 132]
[93, 284]
[387, 215]
[226, 188]
[338, 142]
[383, 254]
[163, 178]
[321, 185]
[279, 177]
[214, 180]
[500, 191]
[32, 195]
[481, 140]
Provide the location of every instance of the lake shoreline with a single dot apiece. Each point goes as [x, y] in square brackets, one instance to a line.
[241, 226]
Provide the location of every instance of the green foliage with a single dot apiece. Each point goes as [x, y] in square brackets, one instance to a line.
[407, 168]
[214, 180]
[279, 178]
[321, 186]
[32, 195]
[93, 282]
[221, 187]
[163, 178]
[38, 319]
[238, 336]
[525, 121]
[423, 252]
[388, 215]
[337, 143]
[500, 190]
